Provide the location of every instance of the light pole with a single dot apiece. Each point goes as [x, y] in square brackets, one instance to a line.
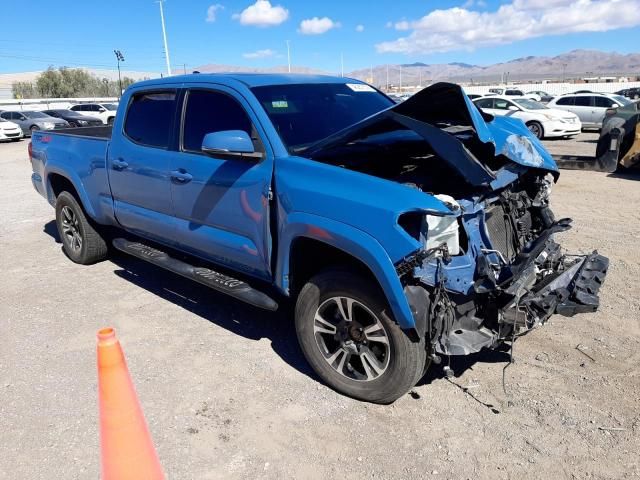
[164, 37]
[288, 56]
[120, 58]
[106, 86]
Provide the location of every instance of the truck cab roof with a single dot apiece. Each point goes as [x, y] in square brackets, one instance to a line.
[249, 79]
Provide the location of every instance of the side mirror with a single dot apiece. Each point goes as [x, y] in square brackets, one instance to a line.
[102, 110]
[229, 143]
[513, 108]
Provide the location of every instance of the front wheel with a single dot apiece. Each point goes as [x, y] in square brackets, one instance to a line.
[348, 336]
[536, 129]
[81, 242]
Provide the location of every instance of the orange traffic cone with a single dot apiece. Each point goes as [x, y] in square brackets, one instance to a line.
[127, 451]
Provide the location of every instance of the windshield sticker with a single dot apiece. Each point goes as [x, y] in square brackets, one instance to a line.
[279, 104]
[360, 87]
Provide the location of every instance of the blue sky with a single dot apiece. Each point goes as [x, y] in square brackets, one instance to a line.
[254, 33]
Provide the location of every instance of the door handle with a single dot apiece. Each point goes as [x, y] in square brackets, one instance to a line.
[119, 164]
[181, 176]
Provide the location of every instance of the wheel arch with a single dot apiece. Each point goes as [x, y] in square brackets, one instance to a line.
[58, 182]
[309, 243]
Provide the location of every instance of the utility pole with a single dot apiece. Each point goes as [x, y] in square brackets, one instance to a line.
[341, 64]
[288, 56]
[106, 86]
[119, 58]
[164, 37]
[387, 78]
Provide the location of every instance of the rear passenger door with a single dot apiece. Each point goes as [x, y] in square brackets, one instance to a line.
[138, 163]
[221, 204]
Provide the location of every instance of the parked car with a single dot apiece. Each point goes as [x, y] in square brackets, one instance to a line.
[402, 232]
[541, 95]
[473, 96]
[10, 130]
[30, 121]
[589, 107]
[104, 111]
[74, 119]
[543, 122]
[632, 93]
[512, 92]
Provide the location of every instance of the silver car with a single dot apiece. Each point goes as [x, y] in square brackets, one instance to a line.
[589, 107]
[30, 121]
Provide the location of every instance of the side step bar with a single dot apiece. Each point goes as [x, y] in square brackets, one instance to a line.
[210, 278]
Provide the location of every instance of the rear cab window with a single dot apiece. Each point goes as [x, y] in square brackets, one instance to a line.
[150, 117]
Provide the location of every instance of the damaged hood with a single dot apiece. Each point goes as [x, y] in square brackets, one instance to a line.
[457, 131]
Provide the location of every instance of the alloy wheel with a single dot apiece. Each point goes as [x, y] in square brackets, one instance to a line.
[71, 229]
[351, 338]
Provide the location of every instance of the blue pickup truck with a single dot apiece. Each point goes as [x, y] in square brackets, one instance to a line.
[401, 233]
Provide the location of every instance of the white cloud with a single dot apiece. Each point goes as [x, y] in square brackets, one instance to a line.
[262, 14]
[389, 25]
[462, 29]
[402, 25]
[211, 12]
[359, 28]
[267, 52]
[317, 26]
[474, 3]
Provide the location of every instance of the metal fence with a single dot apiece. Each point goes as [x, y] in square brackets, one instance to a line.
[49, 103]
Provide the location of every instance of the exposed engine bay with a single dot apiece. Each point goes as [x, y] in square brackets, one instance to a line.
[491, 270]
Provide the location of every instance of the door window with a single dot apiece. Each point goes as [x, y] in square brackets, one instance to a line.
[501, 104]
[565, 101]
[485, 103]
[150, 117]
[605, 102]
[583, 101]
[207, 112]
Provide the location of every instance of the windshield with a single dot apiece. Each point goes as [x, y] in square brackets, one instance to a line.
[621, 99]
[35, 115]
[306, 113]
[110, 106]
[529, 104]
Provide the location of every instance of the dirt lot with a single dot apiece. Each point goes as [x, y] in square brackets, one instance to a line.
[227, 393]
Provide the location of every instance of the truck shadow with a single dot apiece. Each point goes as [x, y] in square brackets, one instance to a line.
[250, 322]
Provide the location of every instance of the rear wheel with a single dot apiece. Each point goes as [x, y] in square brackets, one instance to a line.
[536, 129]
[80, 240]
[348, 336]
[110, 121]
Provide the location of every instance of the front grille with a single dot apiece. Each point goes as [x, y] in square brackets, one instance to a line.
[501, 233]
[17, 134]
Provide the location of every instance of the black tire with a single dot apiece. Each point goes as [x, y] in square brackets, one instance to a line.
[406, 358]
[92, 247]
[110, 120]
[16, 139]
[536, 129]
[33, 128]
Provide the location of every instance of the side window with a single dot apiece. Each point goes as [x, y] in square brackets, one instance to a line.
[605, 102]
[583, 101]
[501, 104]
[208, 111]
[565, 101]
[93, 108]
[485, 103]
[150, 118]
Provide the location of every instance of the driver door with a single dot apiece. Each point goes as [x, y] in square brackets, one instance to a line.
[221, 203]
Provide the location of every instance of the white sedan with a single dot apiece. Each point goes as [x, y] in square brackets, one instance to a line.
[10, 131]
[542, 121]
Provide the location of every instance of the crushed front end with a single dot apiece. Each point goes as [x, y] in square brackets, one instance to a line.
[507, 274]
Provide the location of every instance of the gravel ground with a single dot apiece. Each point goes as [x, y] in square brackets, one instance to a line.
[227, 393]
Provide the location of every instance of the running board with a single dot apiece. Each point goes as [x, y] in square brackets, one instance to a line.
[210, 278]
